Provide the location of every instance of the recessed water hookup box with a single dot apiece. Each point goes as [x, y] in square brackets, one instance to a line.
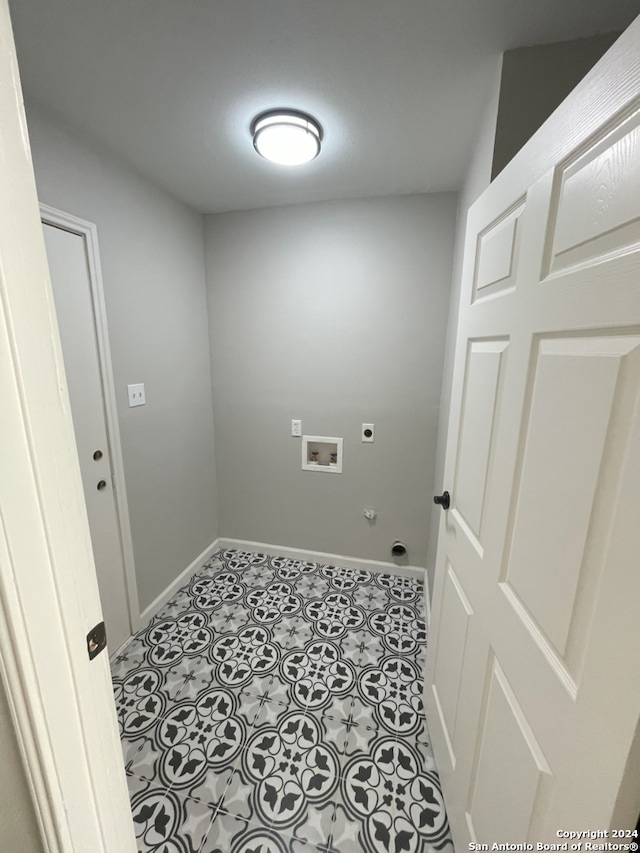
[322, 453]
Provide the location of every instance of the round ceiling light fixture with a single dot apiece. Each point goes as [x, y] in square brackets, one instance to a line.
[287, 137]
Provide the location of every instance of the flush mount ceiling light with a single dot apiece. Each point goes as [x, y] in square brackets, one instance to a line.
[287, 137]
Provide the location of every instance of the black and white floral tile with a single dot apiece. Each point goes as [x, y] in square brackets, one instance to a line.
[274, 706]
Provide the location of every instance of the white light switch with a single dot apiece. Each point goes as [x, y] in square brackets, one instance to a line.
[296, 428]
[136, 395]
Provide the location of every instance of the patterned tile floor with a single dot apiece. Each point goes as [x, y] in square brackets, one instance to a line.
[274, 706]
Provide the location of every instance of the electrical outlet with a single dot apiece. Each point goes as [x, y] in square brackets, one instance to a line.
[136, 395]
[368, 433]
[296, 428]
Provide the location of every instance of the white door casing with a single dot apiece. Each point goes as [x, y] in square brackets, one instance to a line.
[62, 703]
[74, 267]
[532, 687]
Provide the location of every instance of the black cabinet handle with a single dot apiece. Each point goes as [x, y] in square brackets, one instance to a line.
[443, 500]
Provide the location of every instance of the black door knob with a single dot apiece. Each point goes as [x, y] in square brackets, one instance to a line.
[443, 500]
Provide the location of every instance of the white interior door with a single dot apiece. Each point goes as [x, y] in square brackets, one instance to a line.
[533, 686]
[69, 270]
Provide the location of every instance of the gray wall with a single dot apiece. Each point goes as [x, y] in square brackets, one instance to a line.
[334, 313]
[19, 829]
[535, 80]
[152, 254]
[477, 179]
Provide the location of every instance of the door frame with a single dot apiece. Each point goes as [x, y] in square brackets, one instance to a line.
[61, 702]
[89, 233]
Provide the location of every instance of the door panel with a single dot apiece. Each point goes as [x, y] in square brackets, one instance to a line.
[66, 255]
[509, 766]
[497, 254]
[456, 616]
[574, 383]
[484, 368]
[597, 209]
[532, 698]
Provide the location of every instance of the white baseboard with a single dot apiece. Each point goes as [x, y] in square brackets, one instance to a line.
[157, 604]
[328, 559]
[427, 601]
[277, 551]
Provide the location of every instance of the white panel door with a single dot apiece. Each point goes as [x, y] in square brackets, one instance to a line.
[66, 254]
[533, 681]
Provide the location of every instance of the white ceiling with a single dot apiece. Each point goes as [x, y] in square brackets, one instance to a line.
[171, 86]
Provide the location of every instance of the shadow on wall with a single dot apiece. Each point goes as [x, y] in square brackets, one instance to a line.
[535, 80]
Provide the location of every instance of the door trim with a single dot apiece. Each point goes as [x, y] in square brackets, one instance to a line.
[89, 233]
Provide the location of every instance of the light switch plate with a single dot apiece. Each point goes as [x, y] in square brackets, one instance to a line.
[369, 433]
[136, 395]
